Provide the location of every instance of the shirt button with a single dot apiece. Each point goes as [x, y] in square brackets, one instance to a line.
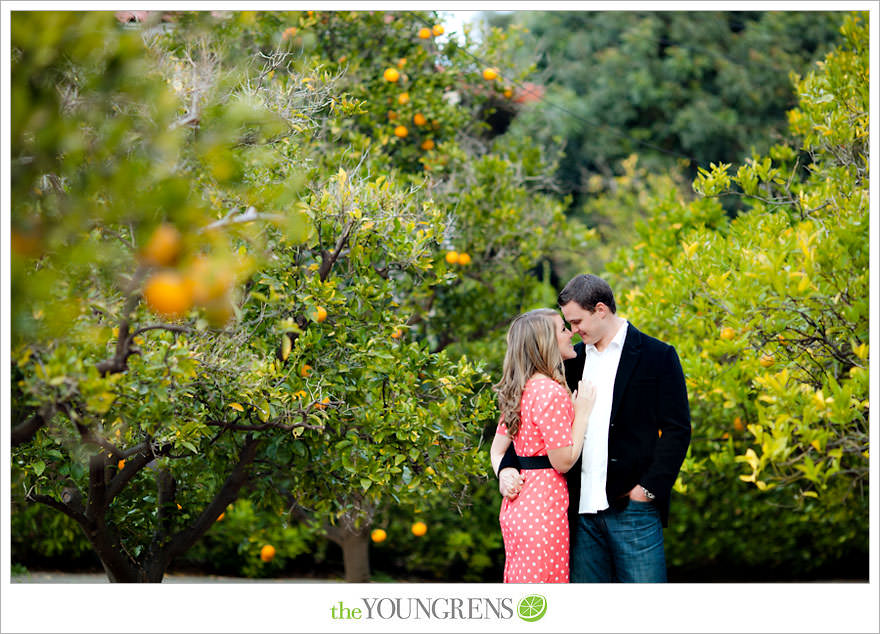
[613, 459]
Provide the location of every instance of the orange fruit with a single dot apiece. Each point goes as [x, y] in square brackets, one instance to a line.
[220, 517]
[168, 294]
[320, 314]
[304, 371]
[738, 424]
[288, 32]
[403, 98]
[508, 93]
[323, 403]
[120, 465]
[378, 535]
[451, 257]
[392, 115]
[489, 74]
[419, 119]
[428, 144]
[401, 62]
[419, 529]
[397, 334]
[208, 280]
[179, 507]
[767, 360]
[401, 131]
[267, 553]
[728, 333]
[424, 33]
[464, 259]
[437, 29]
[391, 74]
[163, 247]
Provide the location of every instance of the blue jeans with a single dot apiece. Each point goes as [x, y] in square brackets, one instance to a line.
[624, 545]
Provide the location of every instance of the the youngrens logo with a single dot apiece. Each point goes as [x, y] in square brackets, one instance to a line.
[530, 608]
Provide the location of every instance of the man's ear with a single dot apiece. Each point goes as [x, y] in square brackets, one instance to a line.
[602, 309]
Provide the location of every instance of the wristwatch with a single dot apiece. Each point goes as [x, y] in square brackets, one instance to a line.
[648, 494]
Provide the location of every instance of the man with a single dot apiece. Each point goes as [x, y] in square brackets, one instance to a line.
[636, 440]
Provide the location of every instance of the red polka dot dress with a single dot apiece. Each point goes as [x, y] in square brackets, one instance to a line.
[534, 525]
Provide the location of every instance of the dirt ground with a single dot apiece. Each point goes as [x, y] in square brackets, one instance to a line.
[65, 577]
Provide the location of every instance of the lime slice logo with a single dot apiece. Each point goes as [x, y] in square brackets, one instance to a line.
[532, 608]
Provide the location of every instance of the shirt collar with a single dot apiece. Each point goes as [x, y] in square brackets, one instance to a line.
[617, 342]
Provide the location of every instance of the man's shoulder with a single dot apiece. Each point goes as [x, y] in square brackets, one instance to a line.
[647, 341]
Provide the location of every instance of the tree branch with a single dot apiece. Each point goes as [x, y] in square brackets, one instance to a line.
[24, 432]
[328, 259]
[68, 509]
[118, 363]
[227, 494]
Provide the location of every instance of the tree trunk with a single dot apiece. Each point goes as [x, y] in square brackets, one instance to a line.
[356, 556]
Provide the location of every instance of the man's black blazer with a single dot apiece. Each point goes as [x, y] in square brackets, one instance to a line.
[650, 426]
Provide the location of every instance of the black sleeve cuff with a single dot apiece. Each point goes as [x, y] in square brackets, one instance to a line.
[509, 460]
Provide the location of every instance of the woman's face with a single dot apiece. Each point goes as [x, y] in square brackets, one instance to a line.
[563, 338]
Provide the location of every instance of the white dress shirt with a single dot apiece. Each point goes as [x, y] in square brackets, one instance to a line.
[600, 368]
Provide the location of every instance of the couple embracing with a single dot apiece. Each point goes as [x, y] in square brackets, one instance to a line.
[587, 477]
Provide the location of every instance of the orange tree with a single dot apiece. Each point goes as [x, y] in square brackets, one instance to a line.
[769, 312]
[230, 279]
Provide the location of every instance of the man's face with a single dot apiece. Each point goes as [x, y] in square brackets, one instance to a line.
[590, 326]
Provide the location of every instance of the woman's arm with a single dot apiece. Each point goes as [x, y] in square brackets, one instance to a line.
[564, 458]
[509, 479]
[499, 447]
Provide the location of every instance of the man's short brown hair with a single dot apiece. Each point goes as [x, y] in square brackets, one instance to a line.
[587, 291]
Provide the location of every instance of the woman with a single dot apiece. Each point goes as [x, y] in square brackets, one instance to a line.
[548, 435]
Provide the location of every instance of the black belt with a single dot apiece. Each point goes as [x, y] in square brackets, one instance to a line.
[534, 462]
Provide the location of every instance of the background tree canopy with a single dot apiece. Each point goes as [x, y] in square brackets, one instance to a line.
[263, 264]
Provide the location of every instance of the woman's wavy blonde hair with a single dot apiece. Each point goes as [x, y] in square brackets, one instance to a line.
[532, 348]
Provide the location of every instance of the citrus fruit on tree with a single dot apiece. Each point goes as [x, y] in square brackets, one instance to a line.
[425, 33]
[163, 246]
[437, 29]
[464, 259]
[320, 314]
[728, 333]
[168, 294]
[208, 279]
[403, 98]
[305, 370]
[419, 529]
[451, 257]
[401, 131]
[489, 74]
[378, 535]
[267, 553]
[419, 119]
[391, 74]
[428, 144]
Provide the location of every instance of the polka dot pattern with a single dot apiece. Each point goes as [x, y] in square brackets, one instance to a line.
[534, 525]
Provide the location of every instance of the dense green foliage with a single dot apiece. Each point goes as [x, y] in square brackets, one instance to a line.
[769, 313]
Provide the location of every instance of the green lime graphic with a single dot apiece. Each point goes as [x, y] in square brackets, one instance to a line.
[532, 607]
